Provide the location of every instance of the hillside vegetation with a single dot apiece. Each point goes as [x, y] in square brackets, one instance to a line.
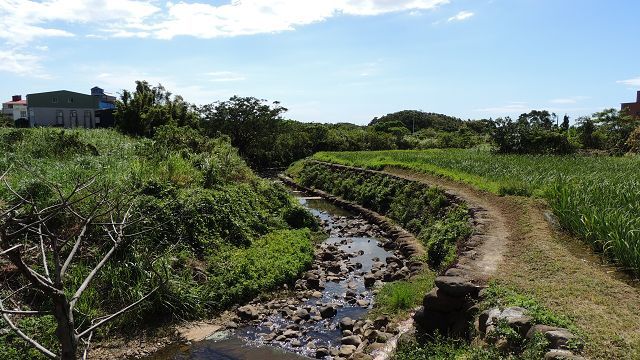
[597, 198]
[214, 232]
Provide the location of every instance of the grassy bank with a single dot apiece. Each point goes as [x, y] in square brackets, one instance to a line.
[216, 233]
[597, 198]
[424, 211]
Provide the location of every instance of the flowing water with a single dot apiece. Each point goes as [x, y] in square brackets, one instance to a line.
[349, 234]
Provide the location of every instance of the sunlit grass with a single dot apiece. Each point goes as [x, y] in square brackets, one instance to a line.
[597, 198]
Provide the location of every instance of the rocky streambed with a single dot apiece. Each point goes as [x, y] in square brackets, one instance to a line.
[324, 315]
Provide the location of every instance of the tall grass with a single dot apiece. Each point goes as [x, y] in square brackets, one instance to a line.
[597, 198]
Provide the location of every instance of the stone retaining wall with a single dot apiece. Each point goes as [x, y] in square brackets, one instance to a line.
[402, 240]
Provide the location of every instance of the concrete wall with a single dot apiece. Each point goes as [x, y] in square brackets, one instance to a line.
[45, 116]
[15, 111]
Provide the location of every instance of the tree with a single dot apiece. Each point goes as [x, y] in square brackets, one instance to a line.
[537, 118]
[44, 240]
[586, 130]
[565, 123]
[148, 107]
[252, 124]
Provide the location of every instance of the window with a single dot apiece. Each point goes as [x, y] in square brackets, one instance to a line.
[59, 117]
[87, 119]
[23, 114]
[70, 100]
[73, 117]
[54, 100]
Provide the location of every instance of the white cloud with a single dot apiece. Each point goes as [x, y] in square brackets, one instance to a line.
[462, 15]
[568, 100]
[630, 82]
[512, 107]
[224, 76]
[17, 62]
[25, 20]
[145, 18]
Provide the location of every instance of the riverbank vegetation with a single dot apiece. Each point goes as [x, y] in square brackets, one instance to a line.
[208, 234]
[439, 223]
[496, 295]
[593, 197]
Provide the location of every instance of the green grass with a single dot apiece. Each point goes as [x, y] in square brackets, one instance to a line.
[399, 297]
[220, 233]
[597, 198]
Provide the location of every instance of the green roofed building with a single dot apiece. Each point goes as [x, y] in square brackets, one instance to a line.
[63, 109]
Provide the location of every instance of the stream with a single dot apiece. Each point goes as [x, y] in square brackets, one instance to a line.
[327, 306]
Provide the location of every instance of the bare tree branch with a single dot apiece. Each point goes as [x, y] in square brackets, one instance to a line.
[79, 238]
[25, 312]
[10, 249]
[114, 315]
[44, 255]
[24, 336]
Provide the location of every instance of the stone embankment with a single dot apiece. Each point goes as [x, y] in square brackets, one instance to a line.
[399, 239]
[453, 305]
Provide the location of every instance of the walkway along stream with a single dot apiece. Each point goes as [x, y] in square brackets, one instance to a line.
[324, 315]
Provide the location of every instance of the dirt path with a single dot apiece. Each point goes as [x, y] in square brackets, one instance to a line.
[524, 251]
[493, 225]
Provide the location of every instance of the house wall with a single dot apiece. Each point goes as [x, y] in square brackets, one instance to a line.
[44, 107]
[15, 111]
[41, 116]
[632, 108]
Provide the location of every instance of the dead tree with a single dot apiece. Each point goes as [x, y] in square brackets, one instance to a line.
[42, 242]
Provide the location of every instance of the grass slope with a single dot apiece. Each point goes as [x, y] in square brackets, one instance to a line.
[221, 234]
[597, 198]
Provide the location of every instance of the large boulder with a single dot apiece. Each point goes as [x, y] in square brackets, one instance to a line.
[248, 312]
[557, 354]
[457, 286]
[438, 300]
[328, 311]
[354, 340]
[346, 350]
[346, 323]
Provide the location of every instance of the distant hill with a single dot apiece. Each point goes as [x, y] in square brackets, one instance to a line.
[421, 120]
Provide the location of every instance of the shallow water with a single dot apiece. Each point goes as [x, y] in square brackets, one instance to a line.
[247, 342]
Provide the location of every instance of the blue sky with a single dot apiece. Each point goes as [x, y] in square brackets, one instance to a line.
[334, 60]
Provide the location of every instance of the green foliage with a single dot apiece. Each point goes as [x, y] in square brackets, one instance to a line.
[266, 140]
[415, 120]
[241, 274]
[401, 296]
[148, 107]
[422, 210]
[633, 141]
[533, 133]
[221, 231]
[596, 198]
[6, 120]
[443, 348]
[12, 347]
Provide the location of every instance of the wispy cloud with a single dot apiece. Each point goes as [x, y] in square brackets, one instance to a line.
[568, 100]
[462, 15]
[224, 76]
[23, 64]
[510, 108]
[27, 20]
[630, 82]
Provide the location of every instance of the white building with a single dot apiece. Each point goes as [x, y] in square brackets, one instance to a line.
[16, 108]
